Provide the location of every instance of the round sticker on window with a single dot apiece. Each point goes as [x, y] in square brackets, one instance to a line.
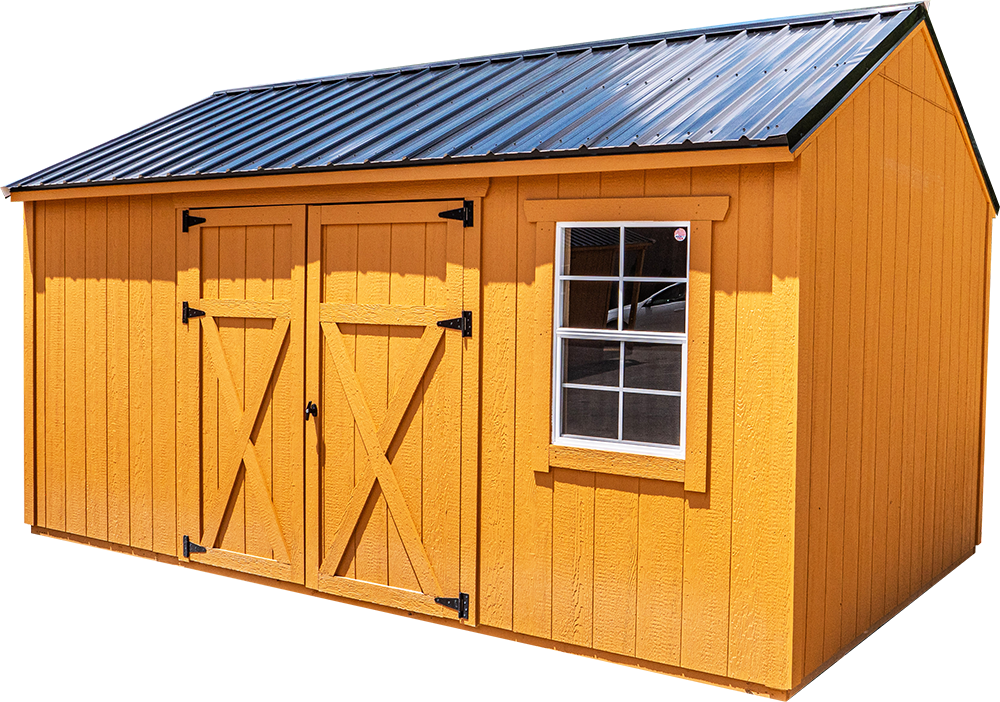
[680, 234]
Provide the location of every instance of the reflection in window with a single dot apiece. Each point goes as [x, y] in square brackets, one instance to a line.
[621, 336]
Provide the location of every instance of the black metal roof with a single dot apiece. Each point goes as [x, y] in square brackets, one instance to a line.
[757, 84]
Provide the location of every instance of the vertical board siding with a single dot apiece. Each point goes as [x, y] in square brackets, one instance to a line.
[97, 367]
[897, 336]
[76, 362]
[576, 556]
[140, 379]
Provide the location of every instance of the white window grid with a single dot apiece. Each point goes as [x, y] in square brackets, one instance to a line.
[620, 335]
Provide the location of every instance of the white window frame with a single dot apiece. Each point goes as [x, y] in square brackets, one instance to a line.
[621, 335]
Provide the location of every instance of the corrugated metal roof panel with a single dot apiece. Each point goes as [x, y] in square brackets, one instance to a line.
[740, 85]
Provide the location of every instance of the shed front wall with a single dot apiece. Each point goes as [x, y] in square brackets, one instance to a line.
[895, 256]
[628, 566]
[634, 566]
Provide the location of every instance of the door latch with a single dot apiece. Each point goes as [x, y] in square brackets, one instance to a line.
[312, 409]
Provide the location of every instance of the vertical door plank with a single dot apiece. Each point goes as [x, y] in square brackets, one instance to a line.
[212, 421]
[707, 516]
[232, 332]
[316, 431]
[871, 242]
[887, 288]
[573, 512]
[119, 517]
[55, 362]
[532, 490]
[819, 484]
[982, 406]
[97, 368]
[260, 282]
[442, 410]
[140, 372]
[341, 458]
[807, 185]
[164, 368]
[469, 440]
[30, 323]
[41, 357]
[406, 288]
[189, 385]
[371, 366]
[499, 325]
[76, 364]
[761, 586]
[856, 470]
[971, 347]
[290, 284]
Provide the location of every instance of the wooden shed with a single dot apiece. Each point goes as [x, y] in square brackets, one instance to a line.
[667, 350]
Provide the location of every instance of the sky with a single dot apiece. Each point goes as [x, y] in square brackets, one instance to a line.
[44, 40]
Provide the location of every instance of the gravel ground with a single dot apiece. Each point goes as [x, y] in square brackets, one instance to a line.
[321, 688]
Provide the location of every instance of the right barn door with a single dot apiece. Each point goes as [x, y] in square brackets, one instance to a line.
[392, 496]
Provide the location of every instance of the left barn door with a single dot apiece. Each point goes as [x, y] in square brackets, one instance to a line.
[240, 424]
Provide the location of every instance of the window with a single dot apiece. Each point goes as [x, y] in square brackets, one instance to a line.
[621, 335]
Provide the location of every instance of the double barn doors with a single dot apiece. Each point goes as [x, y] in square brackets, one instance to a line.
[336, 428]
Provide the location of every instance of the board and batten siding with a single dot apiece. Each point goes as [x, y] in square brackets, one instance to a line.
[633, 566]
[105, 318]
[894, 241]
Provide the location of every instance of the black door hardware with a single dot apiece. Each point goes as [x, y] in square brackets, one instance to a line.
[460, 604]
[188, 312]
[463, 214]
[464, 323]
[189, 220]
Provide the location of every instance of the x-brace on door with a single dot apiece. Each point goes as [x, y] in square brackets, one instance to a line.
[392, 343]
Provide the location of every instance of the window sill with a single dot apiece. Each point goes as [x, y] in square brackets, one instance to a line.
[614, 463]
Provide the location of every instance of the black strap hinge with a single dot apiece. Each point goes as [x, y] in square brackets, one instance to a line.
[188, 312]
[464, 323]
[463, 214]
[189, 220]
[460, 604]
[191, 547]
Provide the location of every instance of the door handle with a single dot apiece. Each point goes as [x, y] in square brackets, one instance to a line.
[312, 409]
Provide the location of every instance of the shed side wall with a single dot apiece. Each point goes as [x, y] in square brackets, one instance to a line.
[104, 327]
[629, 565]
[894, 225]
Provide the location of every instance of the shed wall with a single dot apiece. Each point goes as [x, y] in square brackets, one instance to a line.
[105, 327]
[894, 270]
[629, 565]
[623, 565]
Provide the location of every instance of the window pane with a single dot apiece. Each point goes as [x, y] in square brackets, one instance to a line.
[590, 304]
[591, 362]
[652, 419]
[657, 307]
[653, 366]
[656, 252]
[590, 413]
[592, 251]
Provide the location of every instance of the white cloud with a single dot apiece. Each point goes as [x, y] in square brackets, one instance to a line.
[62, 33]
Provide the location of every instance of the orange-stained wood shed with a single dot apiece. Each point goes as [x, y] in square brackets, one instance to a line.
[668, 350]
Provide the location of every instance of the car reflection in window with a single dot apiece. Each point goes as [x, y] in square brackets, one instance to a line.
[661, 311]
